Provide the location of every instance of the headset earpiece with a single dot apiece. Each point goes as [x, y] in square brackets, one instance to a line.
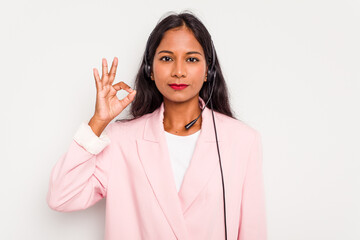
[147, 70]
[211, 70]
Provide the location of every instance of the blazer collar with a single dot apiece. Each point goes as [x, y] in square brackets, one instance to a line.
[155, 159]
[154, 127]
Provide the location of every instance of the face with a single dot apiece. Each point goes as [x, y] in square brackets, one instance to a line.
[179, 59]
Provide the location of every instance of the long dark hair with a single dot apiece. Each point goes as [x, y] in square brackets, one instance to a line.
[148, 98]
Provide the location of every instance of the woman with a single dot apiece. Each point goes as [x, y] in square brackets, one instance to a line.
[162, 180]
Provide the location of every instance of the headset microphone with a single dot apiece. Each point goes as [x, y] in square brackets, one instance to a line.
[187, 126]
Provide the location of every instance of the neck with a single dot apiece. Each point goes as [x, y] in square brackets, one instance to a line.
[178, 114]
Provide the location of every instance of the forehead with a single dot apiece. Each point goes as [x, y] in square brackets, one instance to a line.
[178, 40]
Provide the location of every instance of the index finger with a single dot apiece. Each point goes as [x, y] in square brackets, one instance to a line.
[124, 86]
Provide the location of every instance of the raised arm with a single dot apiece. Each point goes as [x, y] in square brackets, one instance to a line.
[80, 177]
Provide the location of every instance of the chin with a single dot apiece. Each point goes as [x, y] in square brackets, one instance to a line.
[179, 98]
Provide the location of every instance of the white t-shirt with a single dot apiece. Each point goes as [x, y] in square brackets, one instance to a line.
[181, 149]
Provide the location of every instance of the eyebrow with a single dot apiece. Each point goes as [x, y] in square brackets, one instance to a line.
[166, 51]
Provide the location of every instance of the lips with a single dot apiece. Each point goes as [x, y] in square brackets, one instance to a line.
[178, 86]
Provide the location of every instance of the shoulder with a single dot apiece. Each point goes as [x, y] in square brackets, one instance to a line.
[127, 127]
[236, 129]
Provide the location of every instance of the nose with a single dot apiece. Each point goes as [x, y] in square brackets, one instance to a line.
[179, 69]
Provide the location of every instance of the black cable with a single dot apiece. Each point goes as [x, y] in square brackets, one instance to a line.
[187, 126]
[222, 177]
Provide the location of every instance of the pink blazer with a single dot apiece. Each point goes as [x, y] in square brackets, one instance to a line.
[134, 174]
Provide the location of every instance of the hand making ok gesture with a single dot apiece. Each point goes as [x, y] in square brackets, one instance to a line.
[108, 106]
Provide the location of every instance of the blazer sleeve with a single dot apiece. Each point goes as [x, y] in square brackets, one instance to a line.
[79, 178]
[253, 224]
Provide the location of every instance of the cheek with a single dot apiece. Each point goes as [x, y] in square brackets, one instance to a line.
[199, 74]
[198, 69]
[161, 76]
[160, 70]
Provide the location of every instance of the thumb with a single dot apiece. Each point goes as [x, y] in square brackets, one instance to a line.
[117, 87]
[128, 99]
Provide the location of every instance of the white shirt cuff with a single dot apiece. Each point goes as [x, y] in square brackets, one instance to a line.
[86, 138]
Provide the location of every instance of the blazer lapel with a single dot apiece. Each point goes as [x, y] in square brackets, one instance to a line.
[204, 160]
[155, 160]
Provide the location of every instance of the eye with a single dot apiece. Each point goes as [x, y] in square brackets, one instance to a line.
[165, 57]
[192, 59]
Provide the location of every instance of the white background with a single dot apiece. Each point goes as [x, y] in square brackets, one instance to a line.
[292, 68]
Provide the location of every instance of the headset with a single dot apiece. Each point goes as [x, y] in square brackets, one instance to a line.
[211, 76]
